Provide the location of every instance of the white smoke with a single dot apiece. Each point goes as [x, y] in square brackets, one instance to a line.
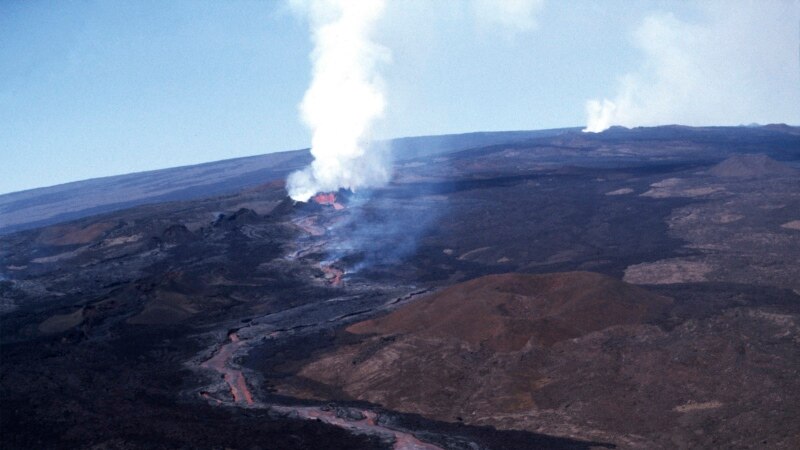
[738, 64]
[344, 100]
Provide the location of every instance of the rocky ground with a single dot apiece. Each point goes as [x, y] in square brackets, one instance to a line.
[248, 321]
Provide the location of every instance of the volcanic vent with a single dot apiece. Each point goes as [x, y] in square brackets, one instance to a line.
[328, 198]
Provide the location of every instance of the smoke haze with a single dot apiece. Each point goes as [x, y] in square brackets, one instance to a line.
[344, 100]
[736, 65]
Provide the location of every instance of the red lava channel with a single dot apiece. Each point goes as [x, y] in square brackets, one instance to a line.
[241, 395]
[233, 377]
[333, 275]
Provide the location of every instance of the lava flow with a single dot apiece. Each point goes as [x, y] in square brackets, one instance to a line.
[368, 424]
[233, 377]
[333, 275]
[309, 225]
[328, 199]
[241, 394]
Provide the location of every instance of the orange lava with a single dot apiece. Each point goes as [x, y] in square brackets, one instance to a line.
[241, 394]
[238, 386]
[333, 275]
[328, 199]
[233, 377]
[207, 396]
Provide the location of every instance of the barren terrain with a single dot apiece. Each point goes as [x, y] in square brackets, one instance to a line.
[629, 289]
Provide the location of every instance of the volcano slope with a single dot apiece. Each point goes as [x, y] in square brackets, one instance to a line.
[475, 349]
[216, 322]
[576, 354]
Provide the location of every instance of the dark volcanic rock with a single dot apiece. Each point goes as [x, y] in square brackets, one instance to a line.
[751, 166]
[137, 328]
[507, 312]
[177, 234]
[574, 354]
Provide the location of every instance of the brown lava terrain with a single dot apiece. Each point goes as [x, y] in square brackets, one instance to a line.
[562, 290]
[577, 354]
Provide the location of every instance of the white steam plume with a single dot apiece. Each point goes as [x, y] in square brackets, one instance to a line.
[344, 100]
[736, 65]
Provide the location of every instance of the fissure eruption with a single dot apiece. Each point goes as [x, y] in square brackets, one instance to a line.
[344, 100]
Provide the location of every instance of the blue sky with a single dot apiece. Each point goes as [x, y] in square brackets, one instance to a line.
[92, 89]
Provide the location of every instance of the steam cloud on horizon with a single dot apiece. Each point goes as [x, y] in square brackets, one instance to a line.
[346, 96]
[738, 65]
[344, 100]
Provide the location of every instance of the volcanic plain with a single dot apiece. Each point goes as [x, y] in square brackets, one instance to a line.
[629, 289]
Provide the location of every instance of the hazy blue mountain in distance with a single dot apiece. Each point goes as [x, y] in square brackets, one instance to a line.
[48, 205]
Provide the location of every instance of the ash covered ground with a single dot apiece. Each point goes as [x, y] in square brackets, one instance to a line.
[246, 320]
